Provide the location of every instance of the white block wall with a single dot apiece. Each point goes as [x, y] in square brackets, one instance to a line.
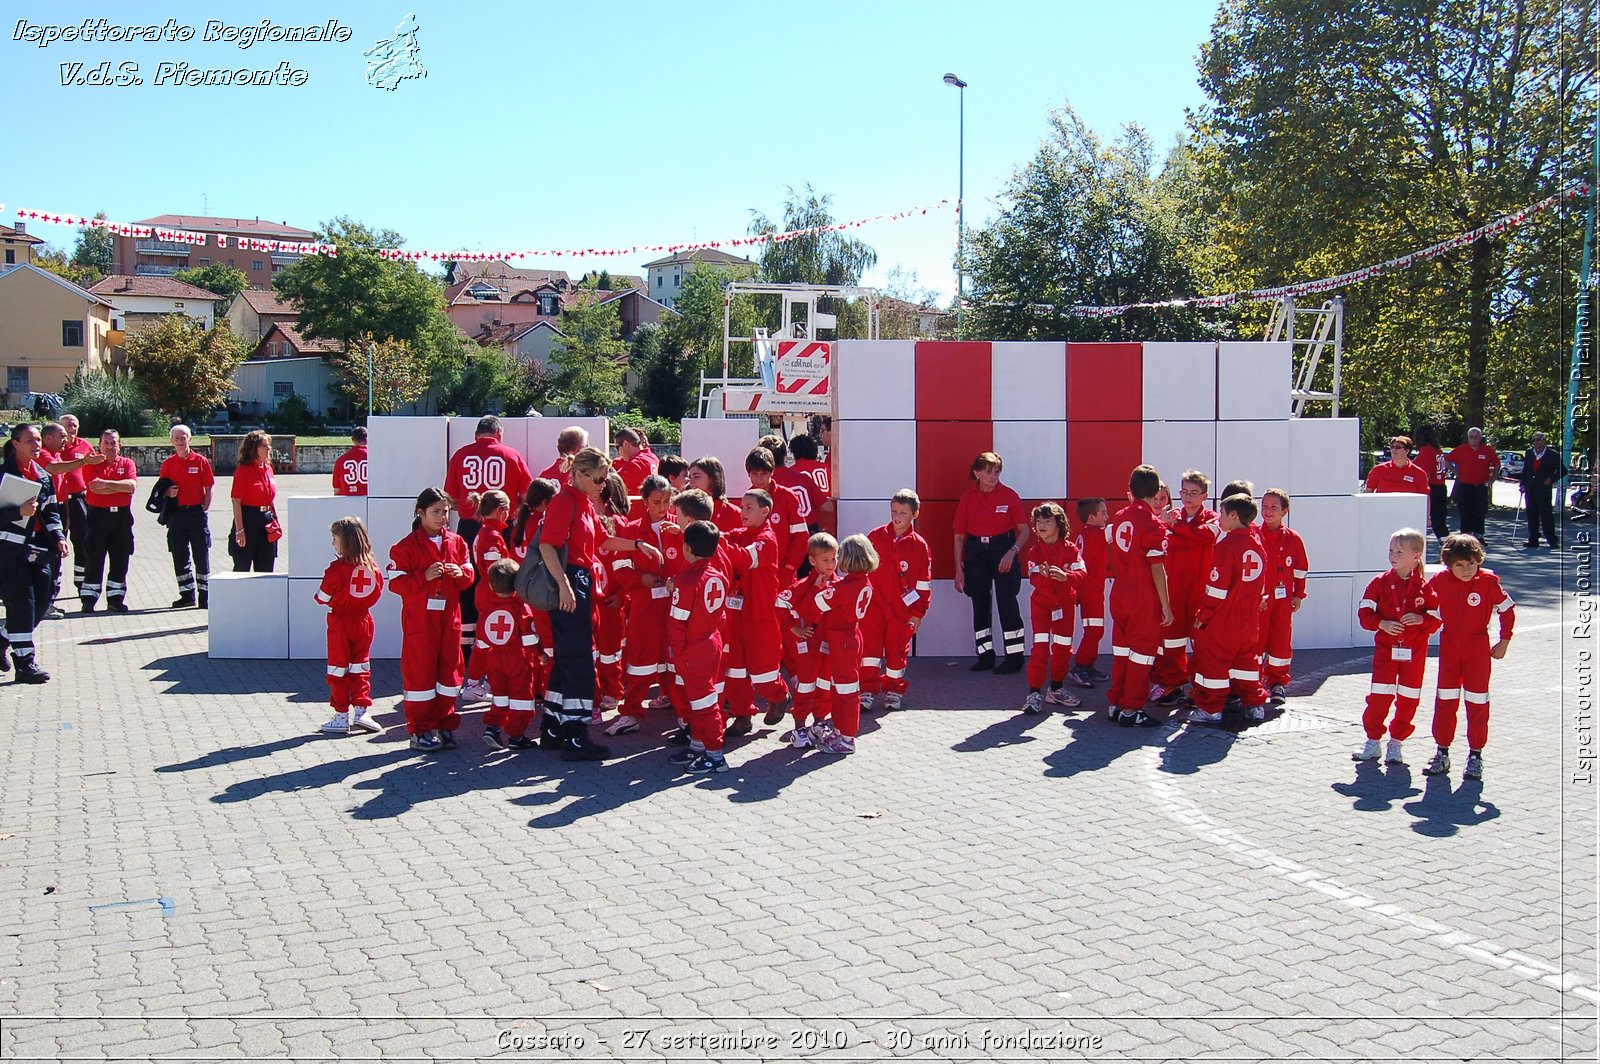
[1324, 456]
[539, 434]
[1328, 524]
[1180, 382]
[1035, 454]
[947, 630]
[309, 517]
[1175, 447]
[724, 438]
[308, 620]
[1381, 516]
[893, 445]
[1328, 614]
[249, 616]
[1254, 381]
[406, 454]
[872, 384]
[1257, 451]
[1029, 384]
[860, 516]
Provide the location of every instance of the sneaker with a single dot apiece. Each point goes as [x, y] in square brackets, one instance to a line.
[1097, 676]
[596, 714]
[821, 732]
[679, 736]
[840, 744]
[800, 738]
[1474, 766]
[524, 742]
[606, 704]
[1173, 697]
[867, 702]
[709, 762]
[447, 740]
[985, 662]
[1113, 714]
[339, 725]
[475, 691]
[426, 742]
[1138, 719]
[891, 701]
[685, 756]
[1256, 712]
[363, 720]
[1279, 693]
[739, 726]
[623, 725]
[494, 738]
[1060, 696]
[54, 613]
[776, 711]
[184, 601]
[661, 702]
[1394, 755]
[1440, 765]
[1033, 705]
[1369, 751]
[1158, 692]
[1080, 676]
[1011, 664]
[28, 671]
[1200, 716]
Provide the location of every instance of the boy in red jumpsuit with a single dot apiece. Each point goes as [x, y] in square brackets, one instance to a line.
[1139, 604]
[508, 646]
[755, 651]
[1091, 542]
[800, 601]
[644, 586]
[1287, 569]
[1226, 619]
[1403, 610]
[1051, 563]
[842, 606]
[1468, 596]
[902, 588]
[788, 526]
[694, 636]
[1192, 533]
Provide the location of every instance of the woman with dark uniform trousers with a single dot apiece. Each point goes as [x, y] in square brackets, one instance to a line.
[253, 496]
[31, 537]
[991, 528]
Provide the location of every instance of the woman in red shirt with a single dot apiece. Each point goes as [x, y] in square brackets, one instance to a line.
[1431, 461]
[991, 528]
[708, 475]
[253, 547]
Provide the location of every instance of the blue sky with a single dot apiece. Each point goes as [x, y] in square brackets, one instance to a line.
[591, 125]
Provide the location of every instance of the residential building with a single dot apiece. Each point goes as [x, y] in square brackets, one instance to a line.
[478, 303]
[17, 244]
[49, 327]
[527, 342]
[902, 320]
[664, 277]
[146, 300]
[256, 311]
[153, 257]
[285, 363]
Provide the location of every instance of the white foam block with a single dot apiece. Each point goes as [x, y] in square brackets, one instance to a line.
[1029, 383]
[406, 454]
[861, 515]
[947, 630]
[307, 518]
[542, 433]
[1175, 447]
[1036, 456]
[1257, 451]
[1381, 516]
[308, 621]
[386, 626]
[876, 380]
[1180, 381]
[1326, 616]
[1253, 381]
[249, 616]
[1324, 456]
[388, 522]
[1330, 527]
[877, 458]
[725, 438]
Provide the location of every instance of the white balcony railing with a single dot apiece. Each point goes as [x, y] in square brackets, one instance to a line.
[145, 269]
[162, 247]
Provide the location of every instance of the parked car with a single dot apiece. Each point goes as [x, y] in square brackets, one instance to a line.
[1511, 465]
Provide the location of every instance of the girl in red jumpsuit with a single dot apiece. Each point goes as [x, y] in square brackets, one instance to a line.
[901, 591]
[1468, 596]
[708, 475]
[694, 632]
[428, 570]
[350, 586]
[842, 607]
[488, 546]
[610, 620]
[799, 601]
[644, 586]
[1052, 565]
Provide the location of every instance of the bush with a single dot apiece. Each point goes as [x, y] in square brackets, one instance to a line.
[102, 401]
[657, 430]
[292, 416]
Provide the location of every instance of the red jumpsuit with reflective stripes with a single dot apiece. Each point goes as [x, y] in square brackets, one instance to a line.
[1092, 545]
[842, 606]
[901, 590]
[1398, 661]
[508, 646]
[1190, 541]
[1287, 569]
[1227, 620]
[349, 591]
[644, 647]
[1465, 607]
[1051, 605]
[694, 639]
[754, 655]
[430, 627]
[799, 601]
[1138, 541]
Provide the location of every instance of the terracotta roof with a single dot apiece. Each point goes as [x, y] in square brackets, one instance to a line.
[8, 233]
[501, 272]
[263, 301]
[203, 224]
[18, 269]
[300, 345]
[508, 334]
[125, 284]
[707, 255]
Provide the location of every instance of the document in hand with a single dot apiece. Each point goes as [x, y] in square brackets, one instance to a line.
[18, 491]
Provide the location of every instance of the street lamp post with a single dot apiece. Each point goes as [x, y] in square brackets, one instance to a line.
[961, 203]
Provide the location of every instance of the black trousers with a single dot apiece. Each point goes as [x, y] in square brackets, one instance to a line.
[1473, 502]
[467, 529]
[986, 586]
[189, 543]
[25, 589]
[76, 512]
[1542, 514]
[107, 548]
[569, 699]
[258, 553]
[1439, 510]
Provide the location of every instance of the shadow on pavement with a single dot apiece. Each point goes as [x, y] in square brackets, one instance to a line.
[108, 640]
[1011, 730]
[297, 681]
[1377, 787]
[229, 755]
[1096, 742]
[1442, 812]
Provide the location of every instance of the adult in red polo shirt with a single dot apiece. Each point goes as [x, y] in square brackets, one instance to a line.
[252, 543]
[55, 441]
[108, 542]
[991, 528]
[188, 528]
[350, 468]
[1399, 474]
[570, 442]
[485, 464]
[70, 489]
[1476, 466]
[635, 459]
[1431, 459]
[809, 477]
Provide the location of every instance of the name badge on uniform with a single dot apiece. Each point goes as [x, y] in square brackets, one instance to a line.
[1057, 615]
[660, 591]
[1400, 653]
[436, 604]
[1002, 509]
[736, 602]
[1280, 592]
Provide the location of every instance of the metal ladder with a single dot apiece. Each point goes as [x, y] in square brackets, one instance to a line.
[1326, 325]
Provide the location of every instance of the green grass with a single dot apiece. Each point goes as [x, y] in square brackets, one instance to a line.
[205, 441]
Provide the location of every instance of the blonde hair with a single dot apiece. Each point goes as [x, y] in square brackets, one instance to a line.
[355, 546]
[590, 462]
[821, 542]
[1411, 538]
[571, 439]
[856, 555]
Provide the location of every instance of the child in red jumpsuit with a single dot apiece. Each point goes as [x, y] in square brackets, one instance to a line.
[610, 619]
[1287, 569]
[800, 601]
[1468, 596]
[1139, 604]
[349, 587]
[1054, 569]
[1192, 532]
[694, 634]
[428, 569]
[901, 591]
[508, 646]
[488, 546]
[1403, 610]
[1227, 619]
[644, 586]
[1091, 541]
[842, 606]
[754, 660]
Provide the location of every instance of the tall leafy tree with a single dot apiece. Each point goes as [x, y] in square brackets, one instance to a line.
[815, 258]
[697, 330]
[668, 378]
[93, 250]
[399, 374]
[346, 296]
[590, 358]
[219, 277]
[183, 368]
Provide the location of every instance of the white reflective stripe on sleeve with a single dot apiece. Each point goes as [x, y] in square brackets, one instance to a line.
[1436, 615]
[420, 696]
[755, 554]
[804, 688]
[323, 598]
[1477, 698]
[531, 639]
[1141, 659]
[1094, 622]
[1216, 592]
[1079, 567]
[524, 704]
[923, 585]
[479, 645]
[679, 614]
[872, 663]
[337, 670]
[738, 674]
[1038, 637]
[1384, 688]
[501, 701]
[1448, 694]
[1366, 604]
[895, 674]
[642, 670]
[769, 677]
[1155, 554]
[1062, 640]
[1504, 604]
[799, 528]
[704, 703]
[1244, 674]
[824, 685]
[1279, 662]
[820, 602]
[1118, 652]
[609, 659]
[491, 555]
[1409, 692]
[1175, 644]
[360, 666]
[1209, 683]
[1301, 574]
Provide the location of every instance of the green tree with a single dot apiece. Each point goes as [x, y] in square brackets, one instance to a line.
[218, 277]
[590, 356]
[668, 379]
[93, 250]
[399, 374]
[183, 368]
[815, 258]
[696, 332]
[55, 261]
[1335, 136]
[346, 296]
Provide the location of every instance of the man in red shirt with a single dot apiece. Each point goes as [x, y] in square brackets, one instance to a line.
[485, 464]
[55, 441]
[188, 530]
[810, 478]
[109, 538]
[70, 490]
[570, 442]
[350, 468]
[1399, 474]
[1476, 466]
[635, 459]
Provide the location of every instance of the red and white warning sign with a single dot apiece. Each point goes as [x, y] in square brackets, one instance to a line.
[804, 377]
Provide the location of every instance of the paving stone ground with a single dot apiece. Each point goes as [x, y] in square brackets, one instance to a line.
[190, 872]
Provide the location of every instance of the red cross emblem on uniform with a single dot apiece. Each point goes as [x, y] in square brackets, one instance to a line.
[1251, 567]
[1124, 536]
[362, 581]
[863, 601]
[716, 595]
[1474, 599]
[499, 628]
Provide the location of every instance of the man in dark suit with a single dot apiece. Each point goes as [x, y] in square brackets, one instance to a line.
[1541, 472]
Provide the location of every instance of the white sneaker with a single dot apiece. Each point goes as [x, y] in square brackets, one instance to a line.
[1279, 693]
[339, 725]
[1200, 716]
[866, 703]
[1157, 692]
[475, 691]
[821, 733]
[363, 720]
[891, 700]
[1059, 696]
[623, 725]
[1369, 751]
[1256, 712]
[661, 702]
[1394, 756]
[1439, 766]
[606, 703]
[801, 739]
[1033, 705]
